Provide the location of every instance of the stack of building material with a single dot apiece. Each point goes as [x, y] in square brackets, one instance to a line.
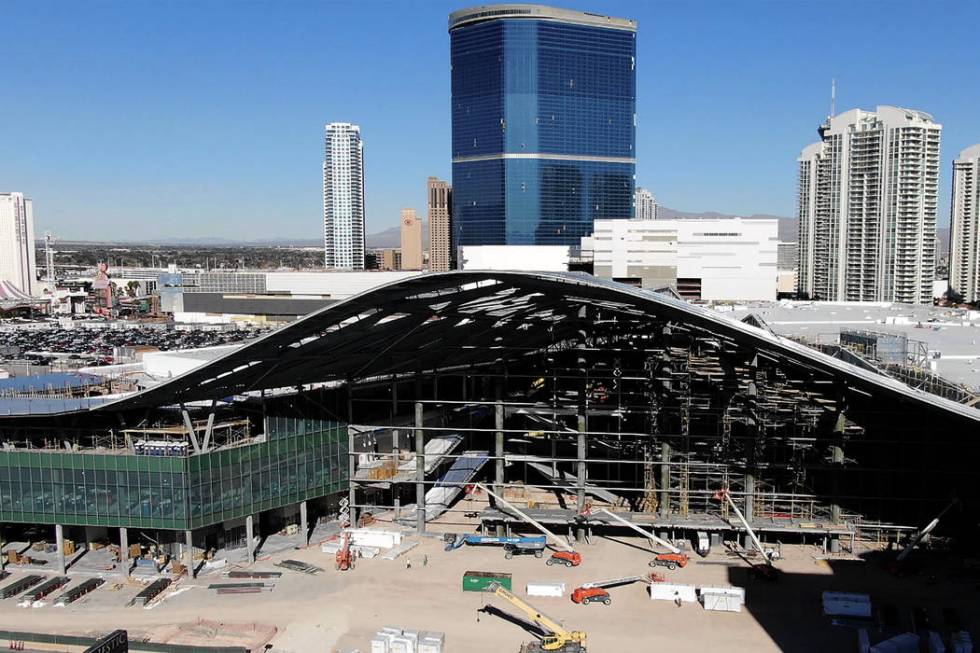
[241, 588]
[19, 586]
[404, 547]
[672, 592]
[552, 590]
[380, 539]
[254, 574]
[431, 641]
[391, 639]
[296, 565]
[722, 599]
[151, 592]
[77, 592]
[45, 588]
[333, 546]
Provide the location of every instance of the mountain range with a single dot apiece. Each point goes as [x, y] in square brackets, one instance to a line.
[788, 228]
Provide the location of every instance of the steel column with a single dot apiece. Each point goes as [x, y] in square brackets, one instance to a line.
[304, 526]
[498, 452]
[581, 453]
[189, 552]
[59, 542]
[249, 538]
[124, 560]
[419, 470]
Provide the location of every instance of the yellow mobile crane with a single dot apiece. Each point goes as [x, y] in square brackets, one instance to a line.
[557, 638]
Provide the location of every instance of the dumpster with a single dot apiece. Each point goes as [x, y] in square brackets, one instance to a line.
[480, 581]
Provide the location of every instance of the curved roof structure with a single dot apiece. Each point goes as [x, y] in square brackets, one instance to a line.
[457, 319]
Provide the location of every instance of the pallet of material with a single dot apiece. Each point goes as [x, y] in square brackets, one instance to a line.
[404, 547]
[77, 592]
[46, 588]
[254, 574]
[241, 590]
[18, 586]
[152, 591]
[219, 586]
[296, 565]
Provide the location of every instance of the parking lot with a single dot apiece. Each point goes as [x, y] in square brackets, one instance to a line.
[95, 343]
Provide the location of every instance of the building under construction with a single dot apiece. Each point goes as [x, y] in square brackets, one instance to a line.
[561, 390]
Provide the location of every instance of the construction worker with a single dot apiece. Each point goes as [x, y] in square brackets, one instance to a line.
[677, 599]
[425, 560]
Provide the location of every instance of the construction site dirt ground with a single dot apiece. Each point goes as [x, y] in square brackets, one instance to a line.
[342, 610]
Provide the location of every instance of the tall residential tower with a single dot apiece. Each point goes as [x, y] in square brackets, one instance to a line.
[543, 113]
[964, 250]
[17, 263]
[440, 225]
[868, 195]
[646, 204]
[343, 197]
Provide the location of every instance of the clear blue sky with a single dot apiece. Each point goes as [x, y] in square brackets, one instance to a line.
[160, 119]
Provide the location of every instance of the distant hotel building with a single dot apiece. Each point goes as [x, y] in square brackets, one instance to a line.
[868, 194]
[787, 264]
[964, 251]
[646, 205]
[707, 259]
[17, 264]
[543, 113]
[440, 225]
[343, 197]
[411, 240]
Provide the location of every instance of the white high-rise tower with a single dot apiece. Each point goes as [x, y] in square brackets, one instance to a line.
[868, 196]
[17, 264]
[964, 250]
[646, 204]
[343, 197]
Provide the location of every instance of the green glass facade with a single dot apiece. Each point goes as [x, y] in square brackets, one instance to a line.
[300, 459]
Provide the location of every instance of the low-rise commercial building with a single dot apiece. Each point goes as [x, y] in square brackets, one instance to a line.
[709, 259]
[251, 296]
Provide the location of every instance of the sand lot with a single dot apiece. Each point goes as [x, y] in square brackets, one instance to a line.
[342, 610]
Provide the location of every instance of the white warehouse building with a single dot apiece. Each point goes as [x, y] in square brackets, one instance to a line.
[707, 259]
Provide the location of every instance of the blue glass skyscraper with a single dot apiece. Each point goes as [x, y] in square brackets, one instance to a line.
[544, 127]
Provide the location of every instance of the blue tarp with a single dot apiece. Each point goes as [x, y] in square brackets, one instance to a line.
[45, 406]
[53, 381]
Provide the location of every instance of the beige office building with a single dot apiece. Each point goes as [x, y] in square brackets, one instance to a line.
[440, 225]
[411, 240]
[389, 259]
